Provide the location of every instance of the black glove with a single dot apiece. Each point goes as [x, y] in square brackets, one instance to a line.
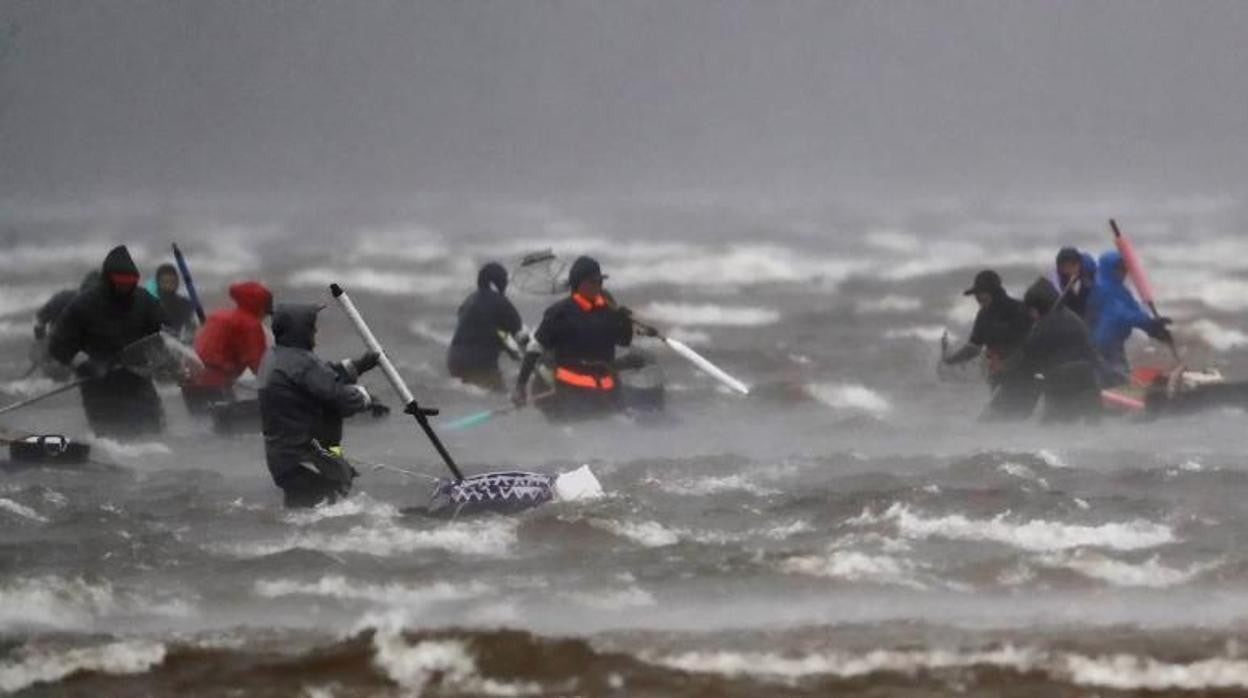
[92, 369]
[417, 411]
[378, 410]
[367, 362]
[646, 330]
[1158, 330]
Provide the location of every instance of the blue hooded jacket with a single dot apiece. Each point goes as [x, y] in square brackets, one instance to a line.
[1113, 312]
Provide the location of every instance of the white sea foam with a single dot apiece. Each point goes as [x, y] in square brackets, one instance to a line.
[386, 282]
[718, 484]
[734, 265]
[1035, 534]
[1219, 337]
[887, 304]
[14, 330]
[387, 538]
[694, 338]
[854, 566]
[338, 587]
[1052, 459]
[52, 602]
[1120, 672]
[1022, 472]
[709, 315]
[413, 666]
[21, 510]
[34, 666]
[851, 397]
[650, 534]
[135, 449]
[15, 300]
[1149, 574]
[923, 333]
[360, 505]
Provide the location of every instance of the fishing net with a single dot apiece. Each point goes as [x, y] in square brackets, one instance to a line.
[162, 357]
[541, 273]
[504, 492]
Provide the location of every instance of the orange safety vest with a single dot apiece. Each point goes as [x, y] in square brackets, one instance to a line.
[566, 375]
[584, 380]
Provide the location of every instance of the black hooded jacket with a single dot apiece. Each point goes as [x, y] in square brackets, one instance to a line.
[1059, 347]
[482, 316]
[100, 320]
[302, 397]
[1002, 326]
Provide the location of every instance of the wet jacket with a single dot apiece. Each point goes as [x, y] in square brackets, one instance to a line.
[1113, 313]
[1078, 297]
[1059, 345]
[232, 340]
[179, 312]
[1001, 328]
[582, 334]
[476, 344]
[100, 322]
[302, 397]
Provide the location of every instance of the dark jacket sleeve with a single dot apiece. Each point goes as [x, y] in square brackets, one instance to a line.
[625, 329]
[508, 318]
[67, 334]
[549, 332]
[324, 384]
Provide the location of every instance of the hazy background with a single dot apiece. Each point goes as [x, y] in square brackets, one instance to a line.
[347, 101]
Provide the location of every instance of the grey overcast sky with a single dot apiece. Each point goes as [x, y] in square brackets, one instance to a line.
[543, 97]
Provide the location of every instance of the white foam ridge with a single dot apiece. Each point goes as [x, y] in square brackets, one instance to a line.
[393, 594]
[1150, 574]
[851, 397]
[922, 333]
[359, 505]
[715, 484]
[53, 602]
[649, 534]
[424, 330]
[741, 264]
[1120, 671]
[35, 667]
[1219, 337]
[387, 538]
[134, 449]
[694, 338]
[627, 598]
[1035, 534]
[382, 281]
[21, 510]
[709, 315]
[412, 667]
[855, 566]
[20, 300]
[887, 304]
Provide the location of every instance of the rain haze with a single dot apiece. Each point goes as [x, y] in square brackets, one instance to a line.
[799, 193]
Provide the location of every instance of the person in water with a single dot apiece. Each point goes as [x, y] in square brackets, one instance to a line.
[1114, 314]
[1073, 280]
[1001, 325]
[486, 319]
[45, 319]
[303, 401]
[231, 341]
[179, 311]
[101, 321]
[1057, 360]
[581, 333]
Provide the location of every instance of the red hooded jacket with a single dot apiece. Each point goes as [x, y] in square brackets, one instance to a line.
[233, 340]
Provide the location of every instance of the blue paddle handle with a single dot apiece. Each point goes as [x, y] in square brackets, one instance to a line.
[190, 284]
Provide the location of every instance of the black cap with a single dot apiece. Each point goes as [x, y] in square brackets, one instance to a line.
[986, 281]
[584, 268]
[1069, 254]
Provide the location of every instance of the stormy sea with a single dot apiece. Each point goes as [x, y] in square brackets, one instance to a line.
[849, 528]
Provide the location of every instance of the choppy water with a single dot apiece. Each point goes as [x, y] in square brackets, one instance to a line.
[850, 528]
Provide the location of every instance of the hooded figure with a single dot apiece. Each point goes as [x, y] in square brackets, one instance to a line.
[486, 318]
[230, 342]
[1057, 360]
[1113, 313]
[179, 311]
[581, 333]
[1071, 269]
[1000, 327]
[101, 321]
[303, 400]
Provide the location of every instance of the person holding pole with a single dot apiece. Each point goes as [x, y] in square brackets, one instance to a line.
[303, 401]
[1114, 313]
[581, 332]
